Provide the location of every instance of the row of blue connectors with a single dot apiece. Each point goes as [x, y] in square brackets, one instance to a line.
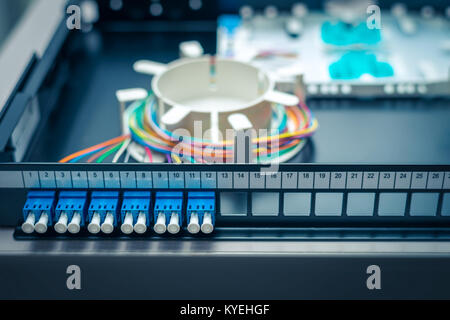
[103, 213]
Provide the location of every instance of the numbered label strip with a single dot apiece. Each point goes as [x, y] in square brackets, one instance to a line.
[224, 180]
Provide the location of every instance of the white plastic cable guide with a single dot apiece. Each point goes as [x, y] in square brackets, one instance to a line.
[211, 91]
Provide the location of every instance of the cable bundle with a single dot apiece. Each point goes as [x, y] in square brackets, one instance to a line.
[291, 125]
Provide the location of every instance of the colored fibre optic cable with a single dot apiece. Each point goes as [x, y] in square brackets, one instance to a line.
[109, 152]
[291, 125]
[92, 149]
[99, 154]
[77, 159]
[149, 154]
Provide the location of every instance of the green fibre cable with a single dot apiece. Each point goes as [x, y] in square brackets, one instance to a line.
[109, 152]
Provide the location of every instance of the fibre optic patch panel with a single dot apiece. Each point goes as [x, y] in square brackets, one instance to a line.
[109, 211]
[186, 200]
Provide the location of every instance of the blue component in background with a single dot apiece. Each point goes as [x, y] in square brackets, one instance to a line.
[229, 22]
[343, 34]
[354, 64]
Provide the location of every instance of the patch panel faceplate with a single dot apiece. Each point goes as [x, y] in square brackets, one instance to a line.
[242, 197]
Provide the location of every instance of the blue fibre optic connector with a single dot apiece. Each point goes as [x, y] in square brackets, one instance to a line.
[200, 212]
[70, 212]
[168, 212]
[103, 211]
[135, 212]
[38, 211]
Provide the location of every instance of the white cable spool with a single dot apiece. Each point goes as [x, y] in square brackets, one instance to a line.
[186, 94]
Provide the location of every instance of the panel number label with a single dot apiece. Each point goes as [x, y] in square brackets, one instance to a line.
[144, 180]
[160, 180]
[354, 180]
[273, 180]
[192, 180]
[63, 179]
[112, 179]
[95, 179]
[289, 180]
[209, 180]
[305, 180]
[386, 180]
[47, 179]
[435, 180]
[240, 180]
[79, 179]
[176, 180]
[402, 180]
[224, 180]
